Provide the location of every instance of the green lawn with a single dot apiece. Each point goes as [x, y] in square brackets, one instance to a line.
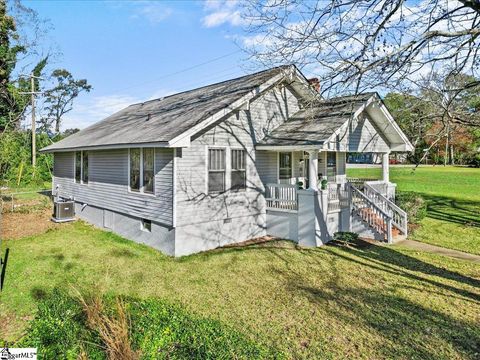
[330, 302]
[453, 196]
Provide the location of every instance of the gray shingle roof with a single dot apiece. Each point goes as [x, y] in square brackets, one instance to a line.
[315, 124]
[163, 119]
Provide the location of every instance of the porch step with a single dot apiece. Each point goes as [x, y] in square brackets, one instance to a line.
[379, 222]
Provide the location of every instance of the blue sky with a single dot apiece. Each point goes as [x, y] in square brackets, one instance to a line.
[130, 50]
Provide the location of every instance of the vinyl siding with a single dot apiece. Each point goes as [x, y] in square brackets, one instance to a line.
[241, 130]
[362, 135]
[108, 184]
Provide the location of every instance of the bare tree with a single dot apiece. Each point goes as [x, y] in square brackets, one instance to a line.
[354, 45]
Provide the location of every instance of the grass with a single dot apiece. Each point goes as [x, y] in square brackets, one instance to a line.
[329, 302]
[453, 198]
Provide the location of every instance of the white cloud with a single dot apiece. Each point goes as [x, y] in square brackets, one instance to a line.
[153, 12]
[222, 12]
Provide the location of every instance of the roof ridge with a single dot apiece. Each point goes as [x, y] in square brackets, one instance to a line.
[213, 84]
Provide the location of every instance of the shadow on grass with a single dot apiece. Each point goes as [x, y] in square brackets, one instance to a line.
[382, 258]
[390, 316]
[452, 210]
[410, 330]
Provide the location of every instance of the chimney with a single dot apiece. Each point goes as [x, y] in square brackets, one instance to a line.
[315, 83]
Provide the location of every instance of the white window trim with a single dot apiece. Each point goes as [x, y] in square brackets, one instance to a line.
[142, 225]
[227, 169]
[141, 190]
[246, 168]
[81, 168]
[278, 165]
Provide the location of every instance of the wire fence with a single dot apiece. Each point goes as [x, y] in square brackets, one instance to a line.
[12, 201]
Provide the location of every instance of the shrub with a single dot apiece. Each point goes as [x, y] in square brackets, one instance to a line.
[474, 161]
[414, 204]
[15, 159]
[71, 327]
[59, 329]
[345, 237]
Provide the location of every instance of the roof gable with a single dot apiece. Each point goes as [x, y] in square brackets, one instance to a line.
[171, 120]
[322, 125]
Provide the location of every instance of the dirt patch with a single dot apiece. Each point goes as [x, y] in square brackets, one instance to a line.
[12, 326]
[17, 225]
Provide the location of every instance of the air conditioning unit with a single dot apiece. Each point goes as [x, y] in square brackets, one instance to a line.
[63, 210]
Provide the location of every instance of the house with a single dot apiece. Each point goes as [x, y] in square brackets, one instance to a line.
[233, 161]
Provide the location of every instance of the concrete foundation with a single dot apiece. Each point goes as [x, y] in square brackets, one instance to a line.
[159, 237]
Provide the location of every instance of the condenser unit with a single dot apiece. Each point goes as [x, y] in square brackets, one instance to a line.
[63, 210]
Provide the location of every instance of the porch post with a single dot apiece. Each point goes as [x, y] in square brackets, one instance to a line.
[386, 167]
[313, 170]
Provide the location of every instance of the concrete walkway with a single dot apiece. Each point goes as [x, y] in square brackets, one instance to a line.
[417, 245]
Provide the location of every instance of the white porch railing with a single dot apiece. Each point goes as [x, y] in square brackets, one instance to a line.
[338, 197]
[399, 216]
[372, 214]
[281, 197]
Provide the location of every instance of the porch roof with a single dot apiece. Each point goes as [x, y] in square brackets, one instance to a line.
[315, 125]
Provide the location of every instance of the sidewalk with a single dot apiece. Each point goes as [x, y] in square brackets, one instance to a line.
[416, 245]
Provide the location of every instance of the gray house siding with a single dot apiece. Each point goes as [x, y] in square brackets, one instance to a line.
[106, 201]
[364, 136]
[206, 221]
[359, 135]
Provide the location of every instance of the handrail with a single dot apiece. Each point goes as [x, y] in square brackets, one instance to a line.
[399, 216]
[371, 213]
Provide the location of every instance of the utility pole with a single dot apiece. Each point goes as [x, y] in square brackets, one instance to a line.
[34, 146]
[32, 92]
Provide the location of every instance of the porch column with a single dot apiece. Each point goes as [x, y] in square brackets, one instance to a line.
[386, 167]
[313, 170]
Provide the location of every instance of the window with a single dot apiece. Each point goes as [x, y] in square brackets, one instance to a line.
[81, 167]
[238, 170]
[216, 170]
[331, 165]
[285, 167]
[146, 225]
[135, 169]
[148, 175]
[85, 167]
[78, 166]
[142, 170]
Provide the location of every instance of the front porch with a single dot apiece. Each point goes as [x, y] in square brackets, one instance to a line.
[310, 209]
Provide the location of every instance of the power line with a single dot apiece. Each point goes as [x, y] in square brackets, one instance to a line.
[182, 71]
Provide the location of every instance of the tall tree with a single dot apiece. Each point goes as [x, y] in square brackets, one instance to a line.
[440, 116]
[12, 103]
[59, 100]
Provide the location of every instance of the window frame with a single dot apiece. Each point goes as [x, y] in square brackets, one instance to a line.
[85, 156]
[232, 170]
[146, 225]
[278, 166]
[334, 167]
[224, 171]
[75, 162]
[141, 189]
